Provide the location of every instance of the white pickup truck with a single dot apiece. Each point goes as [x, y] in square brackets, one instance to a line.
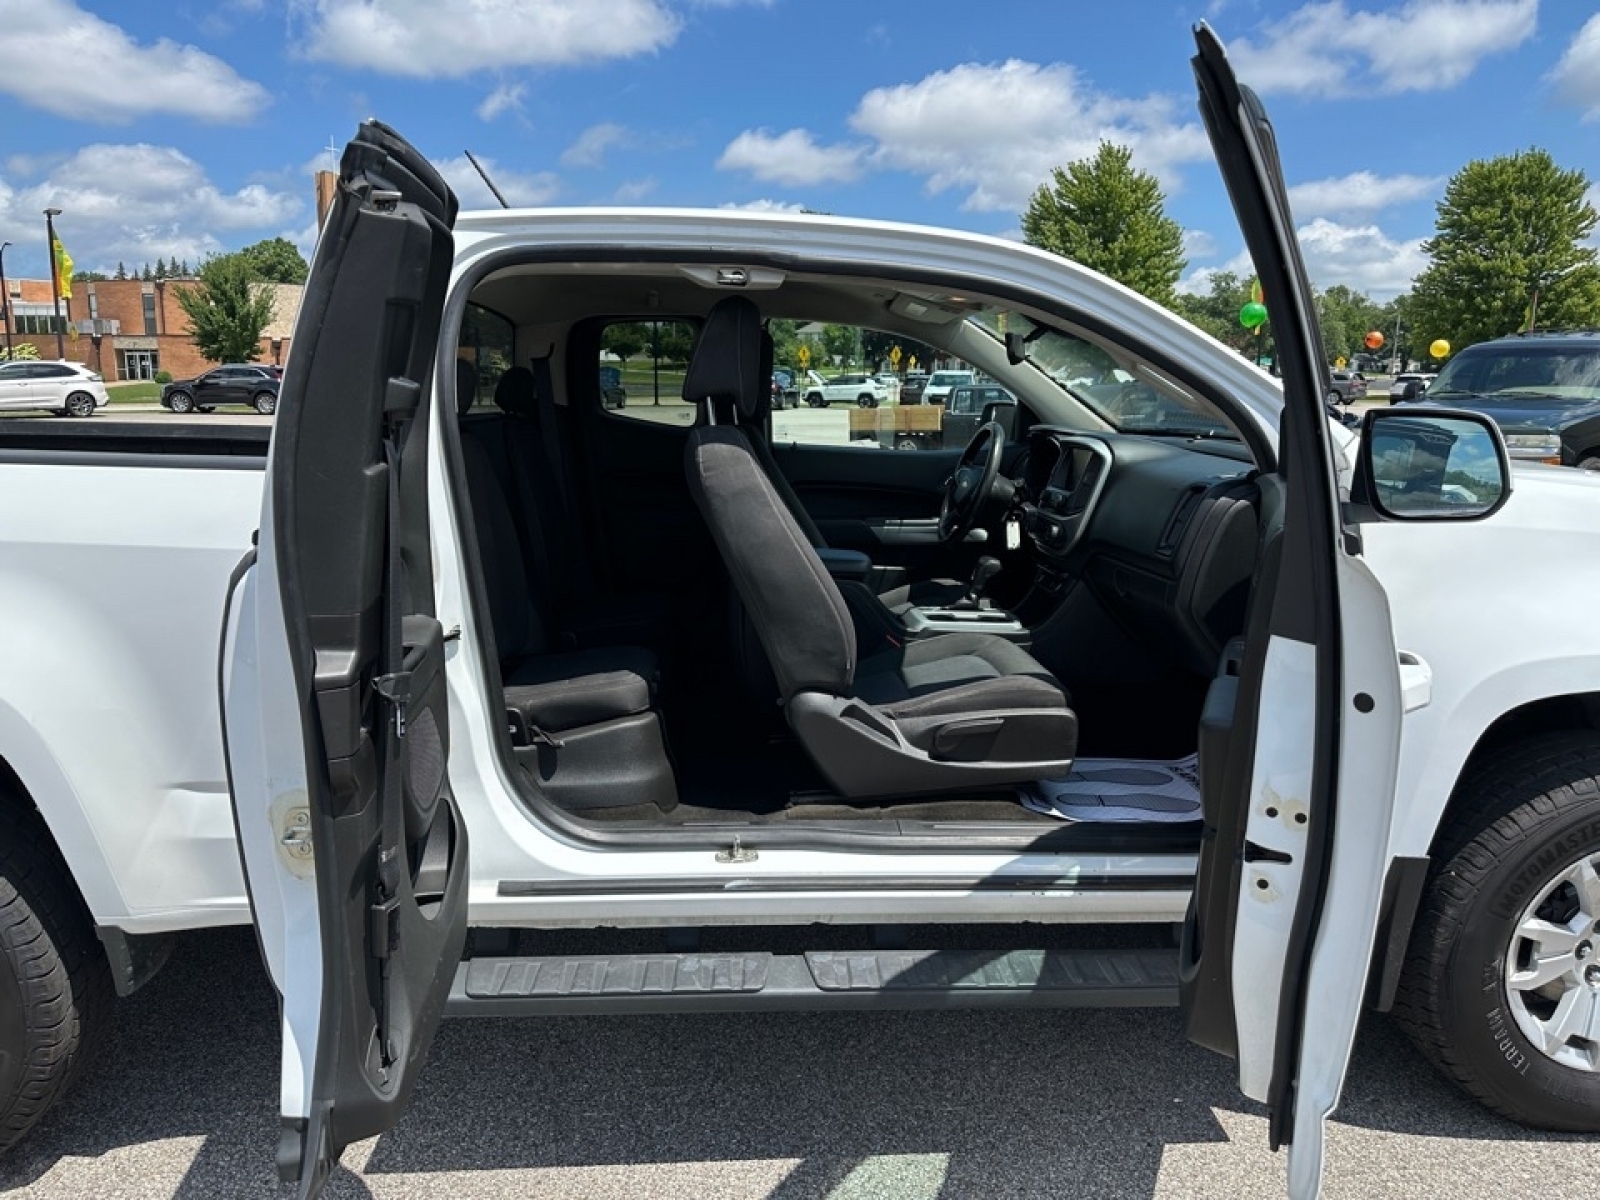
[1310, 721]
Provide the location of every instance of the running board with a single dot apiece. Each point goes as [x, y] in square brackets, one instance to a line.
[817, 980]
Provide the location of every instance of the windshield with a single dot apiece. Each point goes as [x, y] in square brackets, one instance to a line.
[1093, 376]
[1526, 371]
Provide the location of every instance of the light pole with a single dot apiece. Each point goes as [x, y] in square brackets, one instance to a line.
[5, 299]
[50, 215]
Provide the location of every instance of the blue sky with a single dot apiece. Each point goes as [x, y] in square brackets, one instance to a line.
[181, 128]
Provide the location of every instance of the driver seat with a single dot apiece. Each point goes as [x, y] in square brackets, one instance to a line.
[962, 711]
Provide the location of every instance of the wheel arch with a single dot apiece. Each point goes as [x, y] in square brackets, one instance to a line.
[1571, 712]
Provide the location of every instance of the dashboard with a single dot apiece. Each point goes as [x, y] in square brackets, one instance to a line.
[1164, 531]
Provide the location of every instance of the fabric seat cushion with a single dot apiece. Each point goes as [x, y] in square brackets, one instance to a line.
[956, 673]
[583, 687]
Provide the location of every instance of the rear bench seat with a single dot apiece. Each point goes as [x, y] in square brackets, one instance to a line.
[582, 722]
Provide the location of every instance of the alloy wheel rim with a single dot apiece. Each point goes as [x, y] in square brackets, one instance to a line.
[1552, 967]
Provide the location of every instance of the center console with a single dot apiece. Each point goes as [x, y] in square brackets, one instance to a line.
[925, 622]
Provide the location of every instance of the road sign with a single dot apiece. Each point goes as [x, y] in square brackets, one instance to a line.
[804, 355]
[894, 357]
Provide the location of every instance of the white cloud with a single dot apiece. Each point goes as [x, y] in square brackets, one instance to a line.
[591, 146]
[57, 57]
[996, 130]
[1362, 192]
[1197, 243]
[1328, 49]
[634, 190]
[1362, 257]
[1577, 75]
[434, 39]
[793, 159]
[505, 98]
[767, 206]
[522, 189]
[138, 202]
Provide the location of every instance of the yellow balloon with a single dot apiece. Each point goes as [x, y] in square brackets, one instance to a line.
[1440, 348]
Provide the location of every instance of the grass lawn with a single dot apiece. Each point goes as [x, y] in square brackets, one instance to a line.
[139, 392]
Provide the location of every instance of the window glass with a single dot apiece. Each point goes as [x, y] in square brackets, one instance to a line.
[641, 370]
[845, 385]
[1522, 370]
[488, 343]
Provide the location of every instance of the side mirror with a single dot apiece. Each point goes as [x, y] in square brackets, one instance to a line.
[1004, 414]
[1439, 466]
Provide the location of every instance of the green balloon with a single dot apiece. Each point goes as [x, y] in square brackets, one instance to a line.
[1253, 315]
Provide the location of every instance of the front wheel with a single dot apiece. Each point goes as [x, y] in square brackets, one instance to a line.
[266, 403]
[1501, 987]
[866, 400]
[1335, 398]
[80, 404]
[180, 402]
[54, 986]
[817, 400]
[1590, 461]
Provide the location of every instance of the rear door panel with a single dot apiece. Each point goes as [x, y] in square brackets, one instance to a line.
[333, 676]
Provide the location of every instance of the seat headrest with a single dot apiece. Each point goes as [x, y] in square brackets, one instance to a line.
[517, 393]
[466, 385]
[726, 361]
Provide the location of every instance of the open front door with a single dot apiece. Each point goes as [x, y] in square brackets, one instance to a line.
[333, 674]
[1299, 744]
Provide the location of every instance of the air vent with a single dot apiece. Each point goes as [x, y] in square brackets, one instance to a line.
[1179, 521]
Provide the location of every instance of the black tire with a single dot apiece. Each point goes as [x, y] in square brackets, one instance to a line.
[1335, 398]
[1590, 461]
[866, 400]
[265, 403]
[1525, 816]
[817, 400]
[55, 988]
[180, 402]
[80, 404]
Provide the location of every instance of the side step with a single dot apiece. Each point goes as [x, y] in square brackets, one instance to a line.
[817, 980]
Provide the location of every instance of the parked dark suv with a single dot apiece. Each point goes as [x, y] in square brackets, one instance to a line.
[1542, 389]
[255, 384]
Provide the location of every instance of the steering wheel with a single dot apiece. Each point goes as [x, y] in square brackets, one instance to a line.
[972, 483]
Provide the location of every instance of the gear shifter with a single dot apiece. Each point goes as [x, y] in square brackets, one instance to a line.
[987, 568]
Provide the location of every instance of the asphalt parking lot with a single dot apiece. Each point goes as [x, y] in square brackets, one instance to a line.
[182, 1103]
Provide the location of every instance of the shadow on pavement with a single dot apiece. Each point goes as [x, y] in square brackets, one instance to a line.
[1014, 1104]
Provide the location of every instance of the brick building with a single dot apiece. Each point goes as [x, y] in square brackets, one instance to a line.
[132, 328]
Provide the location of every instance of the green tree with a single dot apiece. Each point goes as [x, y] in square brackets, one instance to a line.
[276, 260]
[122, 272]
[146, 274]
[1110, 217]
[839, 343]
[1508, 251]
[1346, 317]
[1216, 310]
[624, 339]
[161, 268]
[228, 309]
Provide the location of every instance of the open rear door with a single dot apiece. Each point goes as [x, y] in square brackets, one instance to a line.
[333, 674]
[1299, 745]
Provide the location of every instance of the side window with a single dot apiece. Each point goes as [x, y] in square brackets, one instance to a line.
[849, 388]
[641, 370]
[488, 342]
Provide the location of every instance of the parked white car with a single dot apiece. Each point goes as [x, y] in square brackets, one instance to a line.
[864, 391]
[941, 383]
[1316, 741]
[67, 388]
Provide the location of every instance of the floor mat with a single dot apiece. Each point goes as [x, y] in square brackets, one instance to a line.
[1121, 789]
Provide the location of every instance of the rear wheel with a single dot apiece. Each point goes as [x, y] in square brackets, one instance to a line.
[266, 403]
[1502, 985]
[180, 402]
[55, 988]
[80, 404]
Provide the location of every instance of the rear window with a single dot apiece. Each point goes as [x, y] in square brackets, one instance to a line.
[641, 370]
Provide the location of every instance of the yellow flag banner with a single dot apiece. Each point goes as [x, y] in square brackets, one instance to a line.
[63, 263]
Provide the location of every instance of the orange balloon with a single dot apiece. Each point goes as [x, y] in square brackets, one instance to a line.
[1374, 340]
